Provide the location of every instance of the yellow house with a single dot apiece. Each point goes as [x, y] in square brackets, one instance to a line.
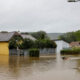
[4, 42]
[4, 48]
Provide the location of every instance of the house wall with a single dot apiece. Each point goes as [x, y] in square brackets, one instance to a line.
[61, 45]
[4, 50]
[65, 44]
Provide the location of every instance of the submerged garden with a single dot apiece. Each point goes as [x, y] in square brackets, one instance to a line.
[41, 41]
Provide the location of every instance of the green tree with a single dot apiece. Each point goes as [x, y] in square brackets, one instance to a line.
[45, 43]
[15, 42]
[71, 36]
[12, 44]
[39, 35]
[26, 44]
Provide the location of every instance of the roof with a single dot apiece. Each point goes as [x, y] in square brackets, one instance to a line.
[60, 40]
[73, 44]
[54, 36]
[6, 36]
[28, 36]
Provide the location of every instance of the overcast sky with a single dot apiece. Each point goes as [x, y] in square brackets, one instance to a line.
[35, 15]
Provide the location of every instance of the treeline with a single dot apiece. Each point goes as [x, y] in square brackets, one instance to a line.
[71, 36]
[40, 35]
[42, 41]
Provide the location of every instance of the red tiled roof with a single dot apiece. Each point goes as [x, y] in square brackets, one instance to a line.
[73, 44]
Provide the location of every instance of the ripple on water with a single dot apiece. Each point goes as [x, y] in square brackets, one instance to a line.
[23, 68]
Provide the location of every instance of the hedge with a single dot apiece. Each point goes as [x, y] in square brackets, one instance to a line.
[34, 52]
[71, 51]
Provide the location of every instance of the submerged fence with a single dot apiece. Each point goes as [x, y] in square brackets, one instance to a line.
[25, 52]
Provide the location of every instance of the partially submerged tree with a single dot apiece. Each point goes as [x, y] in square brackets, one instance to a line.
[12, 44]
[15, 42]
[42, 42]
[27, 43]
[45, 43]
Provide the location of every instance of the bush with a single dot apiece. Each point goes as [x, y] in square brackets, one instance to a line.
[15, 42]
[12, 44]
[45, 43]
[71, 51]
[50, 44]
[34, 52]
[27, 43]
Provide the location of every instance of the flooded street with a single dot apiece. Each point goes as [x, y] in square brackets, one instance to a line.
[24, 68]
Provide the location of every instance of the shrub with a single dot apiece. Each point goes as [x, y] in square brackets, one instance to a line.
[45, 43]
[15, 42]
[12, 44]
[27, 43]
[71, 51]
[34, 52]
[50, 44]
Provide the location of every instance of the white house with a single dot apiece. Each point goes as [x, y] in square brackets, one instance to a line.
[61, 45]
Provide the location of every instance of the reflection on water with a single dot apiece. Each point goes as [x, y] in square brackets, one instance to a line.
[58, 61]
[24, 68]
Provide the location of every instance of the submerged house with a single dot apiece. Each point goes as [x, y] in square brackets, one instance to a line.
[18, 52]
[75, 44]
[60, 43]
[5, 37]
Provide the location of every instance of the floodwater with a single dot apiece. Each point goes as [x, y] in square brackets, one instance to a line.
[24, 68]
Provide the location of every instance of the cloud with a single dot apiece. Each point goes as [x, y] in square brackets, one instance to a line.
[34, 15]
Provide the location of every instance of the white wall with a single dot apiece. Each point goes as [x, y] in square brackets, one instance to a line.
[61, 45]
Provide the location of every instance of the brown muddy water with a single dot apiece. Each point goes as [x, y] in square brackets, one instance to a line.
[24, 68]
